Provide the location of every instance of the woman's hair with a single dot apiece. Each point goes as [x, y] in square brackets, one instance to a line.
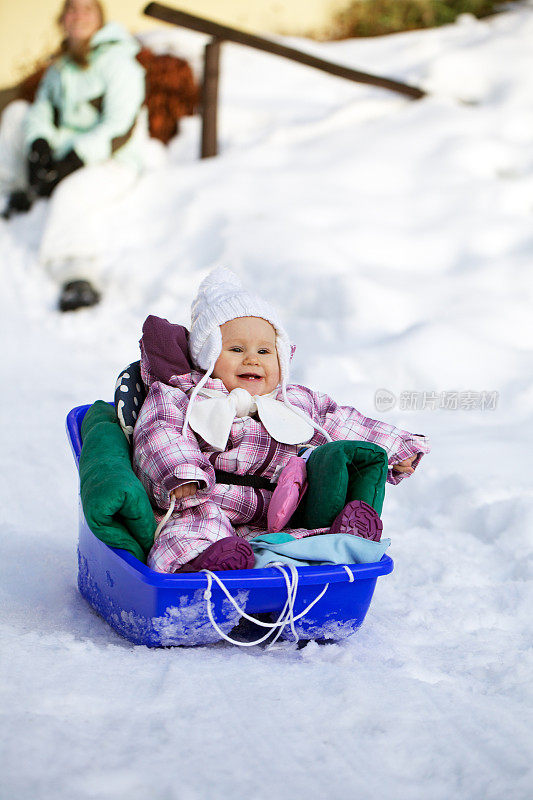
[79, 55]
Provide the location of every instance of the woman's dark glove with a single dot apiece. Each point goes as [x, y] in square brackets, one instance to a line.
[19, 201]
[48, 174]
[65, 166]
[43, 176]
[40, 160]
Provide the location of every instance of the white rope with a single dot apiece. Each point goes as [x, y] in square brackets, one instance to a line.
[291, 597]
[285, 618]
[351, 576]
[207, 596]
[197, 389]
[165, 519]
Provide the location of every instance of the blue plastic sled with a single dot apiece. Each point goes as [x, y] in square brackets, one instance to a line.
[160, 610]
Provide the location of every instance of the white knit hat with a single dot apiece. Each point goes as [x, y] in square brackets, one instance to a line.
[221, 298]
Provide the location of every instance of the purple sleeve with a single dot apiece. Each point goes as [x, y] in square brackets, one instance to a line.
[162, 457]
[344, 422]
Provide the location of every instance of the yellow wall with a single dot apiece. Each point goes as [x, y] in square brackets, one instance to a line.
[28, 31]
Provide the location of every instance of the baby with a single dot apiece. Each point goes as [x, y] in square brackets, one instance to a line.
[209, 444]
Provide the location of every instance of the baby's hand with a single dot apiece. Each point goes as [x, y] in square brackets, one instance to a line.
[405, 466]
[185, 490]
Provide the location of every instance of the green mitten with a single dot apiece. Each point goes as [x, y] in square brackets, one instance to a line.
[338, 472]
[115, 503]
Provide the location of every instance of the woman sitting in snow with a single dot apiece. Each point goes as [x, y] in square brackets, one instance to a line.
[85, 131]
[209, 444]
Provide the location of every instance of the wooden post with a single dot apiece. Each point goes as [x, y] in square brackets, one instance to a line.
[210, 99]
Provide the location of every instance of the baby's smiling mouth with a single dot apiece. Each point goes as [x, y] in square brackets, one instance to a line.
[249, 376]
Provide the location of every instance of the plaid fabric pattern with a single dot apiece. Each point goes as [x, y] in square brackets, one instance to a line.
[164, 458]
[344, 422]
[230, 511]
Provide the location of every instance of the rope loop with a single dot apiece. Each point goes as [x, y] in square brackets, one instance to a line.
[285, 618]
[165, 518]
[351, 576]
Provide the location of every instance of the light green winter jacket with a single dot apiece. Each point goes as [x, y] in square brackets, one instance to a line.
[95, 111]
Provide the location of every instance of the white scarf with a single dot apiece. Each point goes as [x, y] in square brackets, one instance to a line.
[212, 418]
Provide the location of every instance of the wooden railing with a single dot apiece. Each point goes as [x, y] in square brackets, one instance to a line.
[223, 33]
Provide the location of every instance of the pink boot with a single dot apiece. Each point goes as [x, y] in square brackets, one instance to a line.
[289, 490]
[229, 553]
[360, 519]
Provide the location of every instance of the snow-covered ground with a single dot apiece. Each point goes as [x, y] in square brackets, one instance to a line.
[397, 239]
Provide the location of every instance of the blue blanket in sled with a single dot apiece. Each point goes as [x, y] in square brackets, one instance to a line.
[336, 548]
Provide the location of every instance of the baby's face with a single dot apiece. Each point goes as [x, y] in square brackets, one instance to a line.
[249, 359]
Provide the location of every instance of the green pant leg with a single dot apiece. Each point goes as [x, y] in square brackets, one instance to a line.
[327, 476]
[337, 473]
[367, 474]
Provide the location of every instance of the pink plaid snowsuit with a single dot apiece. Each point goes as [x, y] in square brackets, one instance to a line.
[164, 458]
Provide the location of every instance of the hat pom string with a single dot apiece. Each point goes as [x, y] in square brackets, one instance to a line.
[201, 383]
